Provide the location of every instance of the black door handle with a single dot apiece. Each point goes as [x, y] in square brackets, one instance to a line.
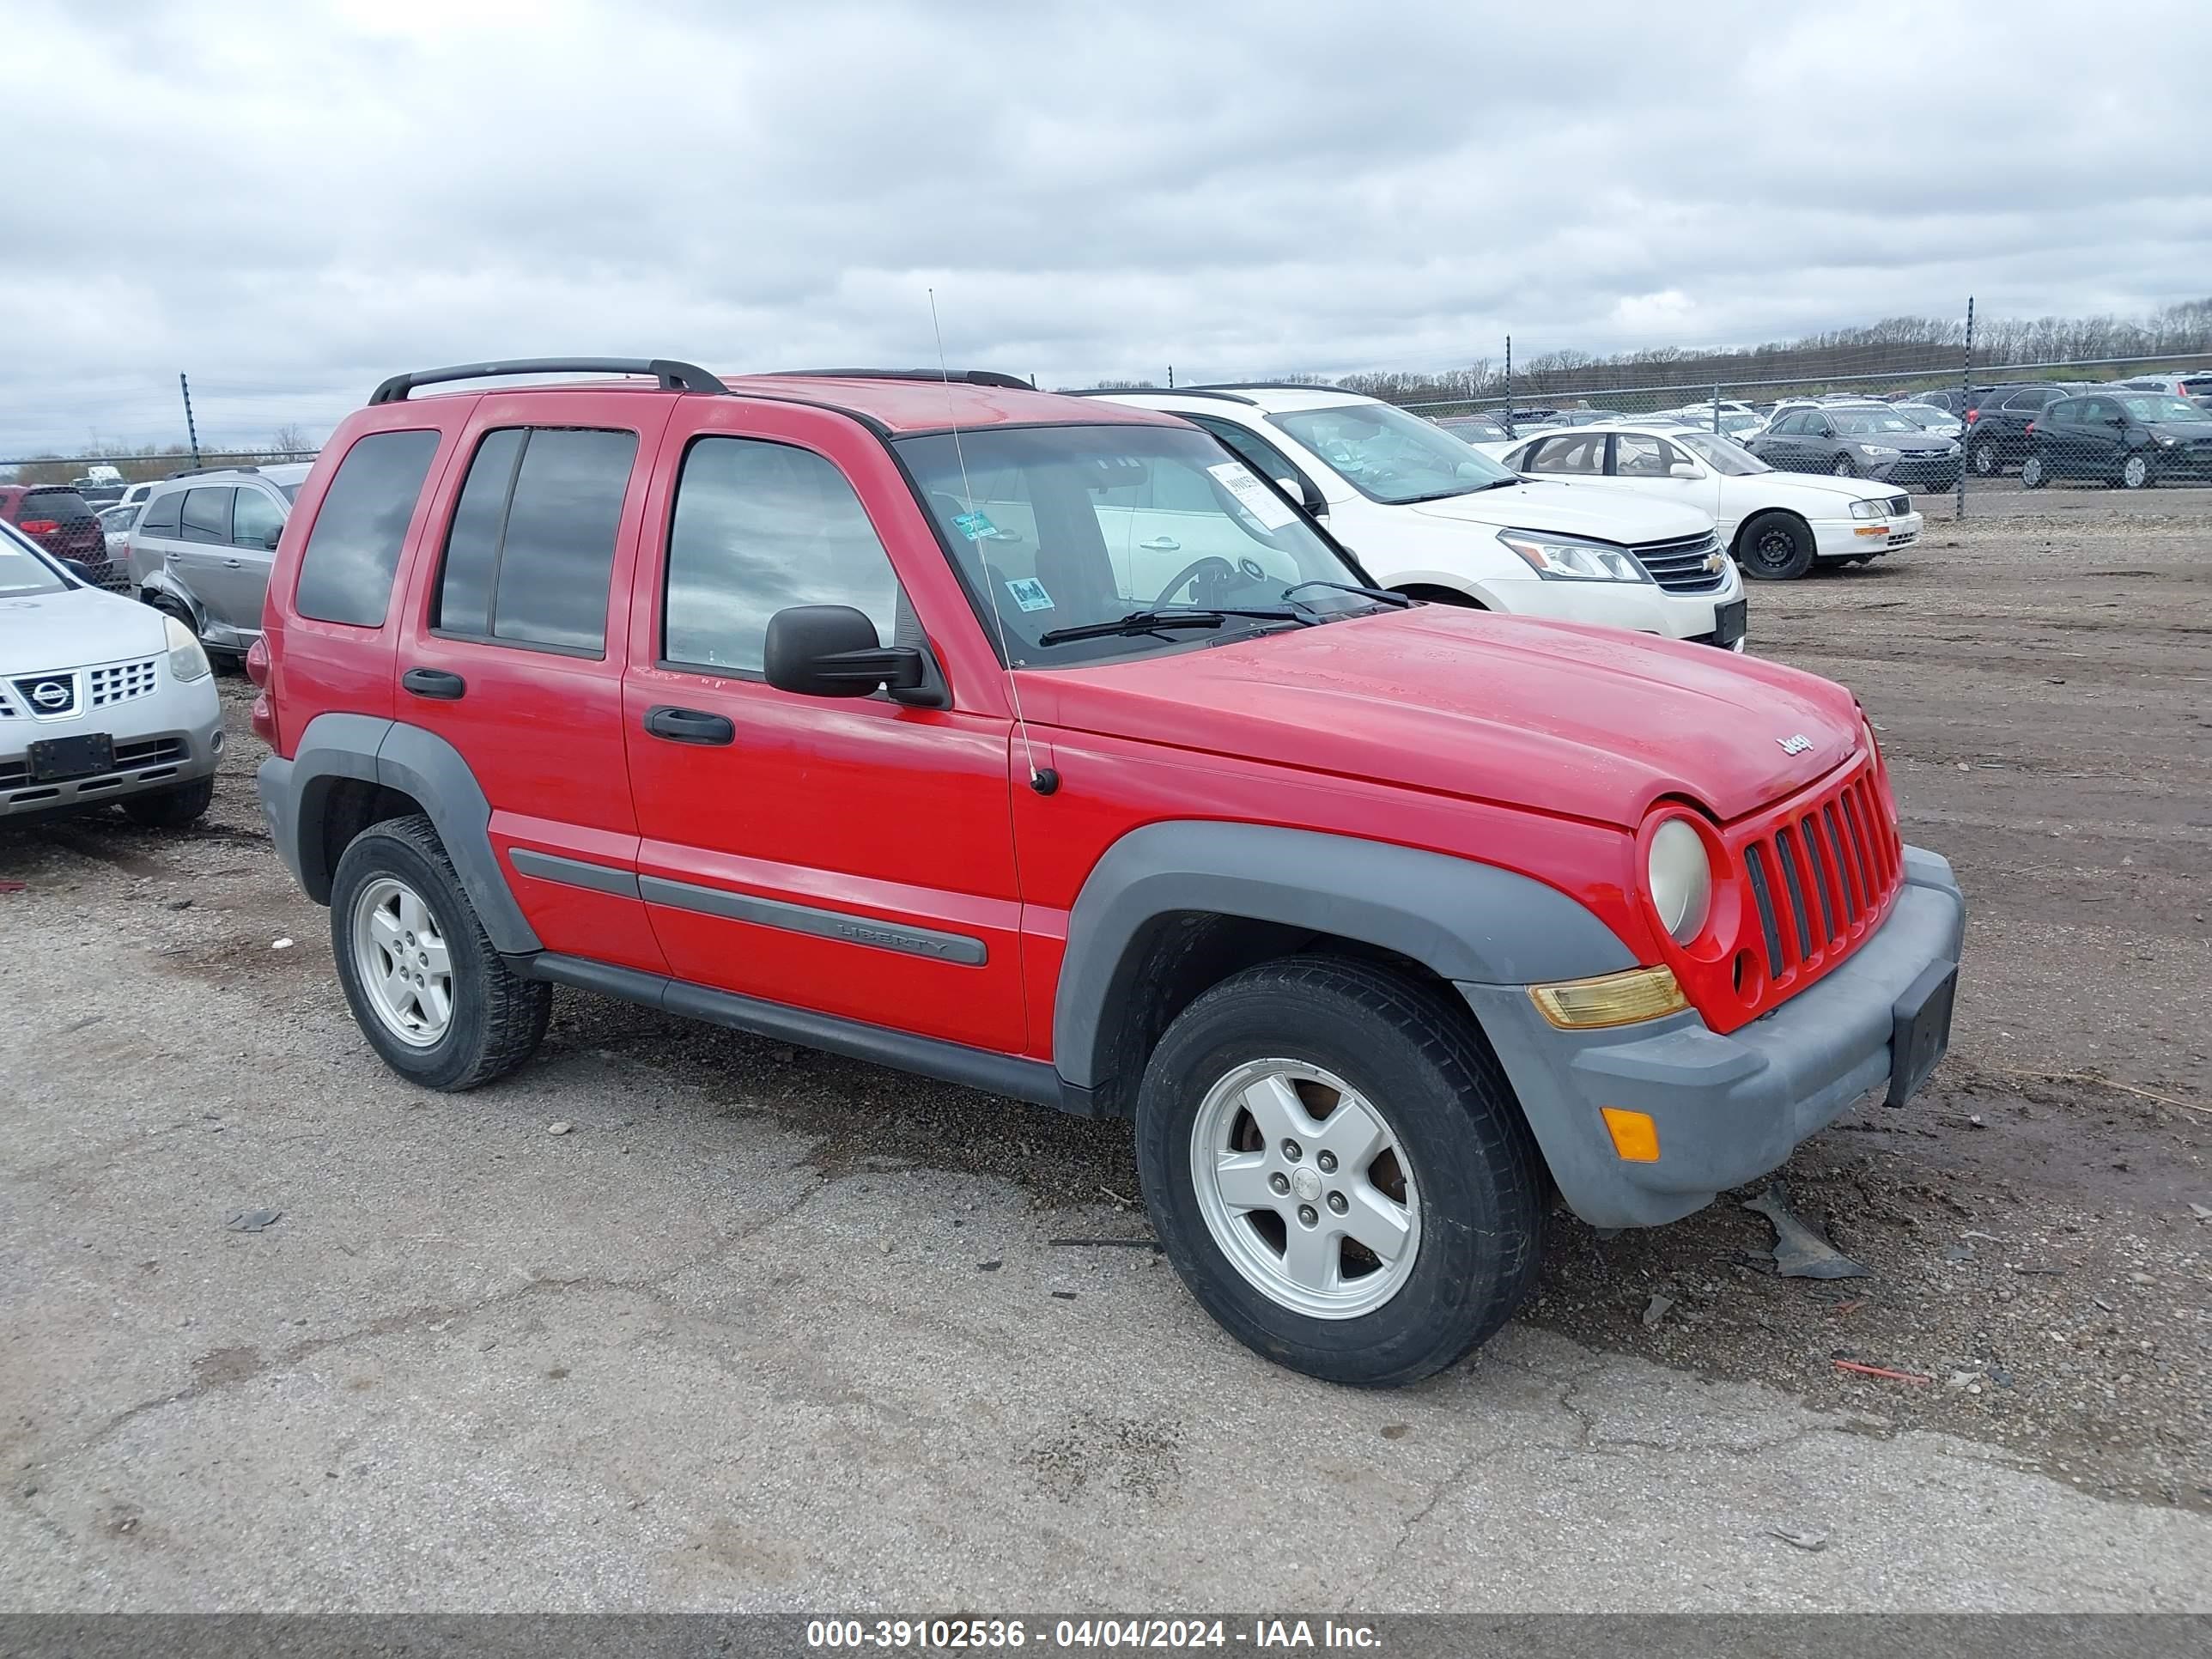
[689, 725]
[434, 683]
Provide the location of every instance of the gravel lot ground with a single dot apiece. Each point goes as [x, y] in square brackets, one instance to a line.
[769, 1329]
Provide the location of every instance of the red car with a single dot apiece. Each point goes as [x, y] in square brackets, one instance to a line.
[63, 523]
[840, 707]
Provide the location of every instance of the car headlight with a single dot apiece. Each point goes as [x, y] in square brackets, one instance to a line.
[1870, 509]
[1882, 451]
[2166, 442]
[1680, 875]
[186, 661]
[1565, 559]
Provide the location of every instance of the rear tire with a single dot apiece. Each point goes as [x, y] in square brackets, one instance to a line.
[170, 809]
[1986, 460]
[2032, 475]
[1775, 547]
[1455, 1197]
[472, 1018]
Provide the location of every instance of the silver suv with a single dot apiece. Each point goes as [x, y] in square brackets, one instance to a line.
[202, 548]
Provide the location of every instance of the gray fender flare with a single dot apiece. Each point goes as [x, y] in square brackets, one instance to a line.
[415, 761]
[1461, 920]
[160, 581]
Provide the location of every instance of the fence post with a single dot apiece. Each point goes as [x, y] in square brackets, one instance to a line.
[1509, 432]
[1171, 377]
[191, 432]
[1966, 399]
[1717, 407]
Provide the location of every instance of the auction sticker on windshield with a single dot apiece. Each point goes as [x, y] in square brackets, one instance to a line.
[1253, 497]
[1029, 594]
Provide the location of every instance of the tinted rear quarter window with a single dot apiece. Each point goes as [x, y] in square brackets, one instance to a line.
[345, 574]
[161, 515]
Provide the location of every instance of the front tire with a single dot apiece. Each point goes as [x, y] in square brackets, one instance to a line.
[1845, 467]
[171, 809]
[434, 999]
[1339, 1170]
[1775, 547]
[2137, 473]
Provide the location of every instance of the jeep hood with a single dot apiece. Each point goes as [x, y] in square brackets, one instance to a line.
[1592, 723]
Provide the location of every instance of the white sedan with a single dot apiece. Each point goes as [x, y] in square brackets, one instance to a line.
[1776, 524]
[102, 700]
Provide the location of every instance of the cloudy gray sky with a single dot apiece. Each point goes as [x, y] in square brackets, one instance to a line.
[292, 201]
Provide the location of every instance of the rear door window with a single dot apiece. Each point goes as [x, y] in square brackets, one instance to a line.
[206, 517]
[1583, 454]
[345, 574]
[531, 547]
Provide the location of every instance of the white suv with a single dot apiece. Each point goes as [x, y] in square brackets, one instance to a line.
[1435, 519]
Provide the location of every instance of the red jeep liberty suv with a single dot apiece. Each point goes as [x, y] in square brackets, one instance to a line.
[1038, 744]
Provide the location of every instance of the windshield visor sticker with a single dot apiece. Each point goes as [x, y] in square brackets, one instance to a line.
[976, 526]
[1029, 594]
[1253, 497]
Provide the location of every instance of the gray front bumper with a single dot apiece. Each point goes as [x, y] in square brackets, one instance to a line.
[1730, 1108]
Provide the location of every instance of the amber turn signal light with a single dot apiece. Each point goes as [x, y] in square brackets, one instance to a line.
[1622, 998]
[1635, 1136]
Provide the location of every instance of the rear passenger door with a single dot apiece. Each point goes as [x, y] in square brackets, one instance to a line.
[511, 650]
[201, 546]
[852, 856]
[240, 580]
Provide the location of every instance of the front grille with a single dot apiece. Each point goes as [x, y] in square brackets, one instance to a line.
[1688, 564]
[49, 696]
[121, 682]
[1821, 876]
[1899, 505]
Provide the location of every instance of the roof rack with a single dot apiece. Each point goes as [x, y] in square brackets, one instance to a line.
[1272, 385]
[672, 375]
[195, 471]
[1222, 392]
[958, 376]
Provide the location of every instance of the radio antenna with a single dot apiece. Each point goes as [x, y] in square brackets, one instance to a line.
[1044, 781]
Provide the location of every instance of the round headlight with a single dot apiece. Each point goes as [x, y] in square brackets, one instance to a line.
[1681, 879]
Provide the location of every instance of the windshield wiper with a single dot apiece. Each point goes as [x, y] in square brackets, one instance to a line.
[1150, 621]
[1506, 483]
[1381, 594]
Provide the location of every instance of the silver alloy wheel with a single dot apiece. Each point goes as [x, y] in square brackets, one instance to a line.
[2030, 471]
[1985, 459]
[399, 955]
[2135, 472]
[1844, 469]
[1306, 1189]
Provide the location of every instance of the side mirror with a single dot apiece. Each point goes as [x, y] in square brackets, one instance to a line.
[832, 651]
[1309, 497]
[1681, 469]
[82, 573]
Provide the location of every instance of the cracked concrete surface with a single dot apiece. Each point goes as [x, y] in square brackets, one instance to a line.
[666, 1361]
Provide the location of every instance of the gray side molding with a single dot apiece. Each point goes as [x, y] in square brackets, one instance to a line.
[404, 757]
[1461, 920]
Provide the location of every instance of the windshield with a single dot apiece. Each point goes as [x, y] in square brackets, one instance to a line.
[2157, 406]
[1064, 526]
[1387, 455]
[23, 572]
[1730, 460]
[1865, 422]
[1926, 414]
